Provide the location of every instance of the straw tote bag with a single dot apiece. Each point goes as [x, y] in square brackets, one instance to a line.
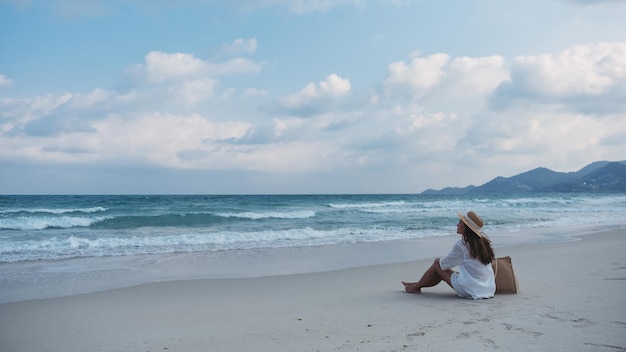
[506, 281]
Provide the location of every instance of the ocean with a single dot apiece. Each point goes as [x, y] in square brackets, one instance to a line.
[111, 240]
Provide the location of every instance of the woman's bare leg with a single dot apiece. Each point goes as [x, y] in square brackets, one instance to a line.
[431, 277]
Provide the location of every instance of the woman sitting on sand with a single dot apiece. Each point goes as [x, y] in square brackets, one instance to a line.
[472, 254]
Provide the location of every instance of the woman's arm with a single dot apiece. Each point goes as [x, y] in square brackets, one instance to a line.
[454, 258]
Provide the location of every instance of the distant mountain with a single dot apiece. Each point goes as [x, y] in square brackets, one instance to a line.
[451, 190]
[599, 176]
[610, 178]
[597, 165]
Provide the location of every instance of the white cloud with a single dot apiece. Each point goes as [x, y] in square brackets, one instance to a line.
[100, 99]
[475, 76]
[145, 138]
[442, 117]
[459, 77]
[291, 157]
[334, 86]
[161, 66]
[419, 75]
[557, 109]
[184, 80]
[195, 91]
[240, 45]
[580, 70]
[62, 113]
[542, 136]
[325, 126]
[15, 114]
[584, 78]
[429, 133]
[441, 84]
[421, 124]
[194, 142]
[158, 137]
[313, 98]
[238, 66]
[5, 82]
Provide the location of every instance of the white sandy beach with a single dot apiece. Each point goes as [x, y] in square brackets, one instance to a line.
[572, 299]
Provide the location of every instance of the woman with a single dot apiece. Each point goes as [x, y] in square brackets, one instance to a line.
[472, 254]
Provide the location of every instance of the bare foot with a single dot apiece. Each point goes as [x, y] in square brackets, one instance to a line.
[411, 287]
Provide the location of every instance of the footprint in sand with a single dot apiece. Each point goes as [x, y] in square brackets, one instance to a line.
[565, 317]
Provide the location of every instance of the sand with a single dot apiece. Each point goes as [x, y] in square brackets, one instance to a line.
[573, 298]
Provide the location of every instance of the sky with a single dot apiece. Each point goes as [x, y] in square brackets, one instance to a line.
[304, 96]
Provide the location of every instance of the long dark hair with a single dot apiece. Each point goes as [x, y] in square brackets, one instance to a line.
[480, 247]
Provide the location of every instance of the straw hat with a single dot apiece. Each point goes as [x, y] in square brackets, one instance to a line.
[473, 221]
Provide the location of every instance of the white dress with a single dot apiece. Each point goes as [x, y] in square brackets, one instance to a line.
[474, 279]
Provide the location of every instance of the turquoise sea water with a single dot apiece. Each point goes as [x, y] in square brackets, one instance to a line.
[56, 227]
[61, 245]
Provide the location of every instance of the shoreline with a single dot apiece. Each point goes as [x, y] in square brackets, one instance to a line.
[23, 281]
[571, 299]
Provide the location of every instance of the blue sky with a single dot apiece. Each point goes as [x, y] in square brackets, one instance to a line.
[273, 96]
